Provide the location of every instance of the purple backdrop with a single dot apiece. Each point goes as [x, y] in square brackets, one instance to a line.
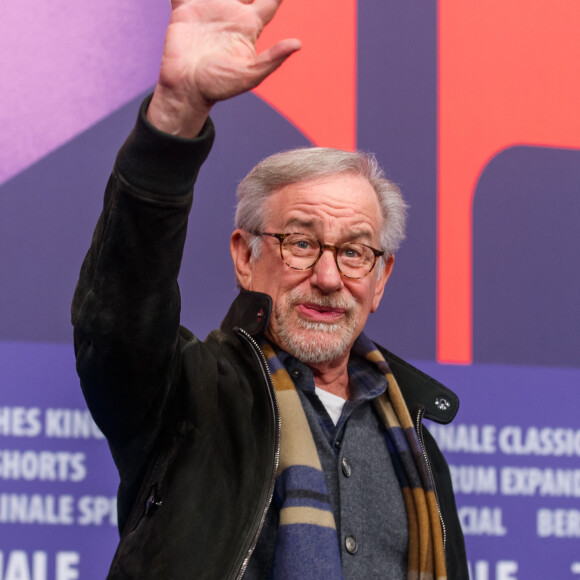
[71, 94]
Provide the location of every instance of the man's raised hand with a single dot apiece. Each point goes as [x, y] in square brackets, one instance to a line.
[210, 55]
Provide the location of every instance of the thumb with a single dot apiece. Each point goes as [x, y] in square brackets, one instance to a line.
[269, 60]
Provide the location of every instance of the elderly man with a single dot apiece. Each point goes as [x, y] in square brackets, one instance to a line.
[286, 445]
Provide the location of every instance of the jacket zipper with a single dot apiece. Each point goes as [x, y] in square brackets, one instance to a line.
[419, 429]
[255, 347]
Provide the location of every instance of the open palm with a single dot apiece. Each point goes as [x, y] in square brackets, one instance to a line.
[210, 51]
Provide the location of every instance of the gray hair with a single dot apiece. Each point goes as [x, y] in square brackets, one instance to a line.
[305, 164]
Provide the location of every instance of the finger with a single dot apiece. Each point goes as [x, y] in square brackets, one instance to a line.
[266, 9]
[269, 60]
[281, 50]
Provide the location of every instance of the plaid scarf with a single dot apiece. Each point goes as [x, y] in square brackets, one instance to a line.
[307, 544]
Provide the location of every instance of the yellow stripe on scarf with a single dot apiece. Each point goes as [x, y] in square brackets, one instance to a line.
[307, 515]
[296, 444]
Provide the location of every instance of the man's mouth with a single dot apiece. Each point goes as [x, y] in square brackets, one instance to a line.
[320, 313]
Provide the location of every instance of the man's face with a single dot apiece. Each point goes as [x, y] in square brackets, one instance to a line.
[317, 313]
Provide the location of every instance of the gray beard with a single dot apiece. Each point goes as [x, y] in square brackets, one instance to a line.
[333, 340]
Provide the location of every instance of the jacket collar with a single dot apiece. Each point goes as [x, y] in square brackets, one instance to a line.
[422, 392]
[252, 310]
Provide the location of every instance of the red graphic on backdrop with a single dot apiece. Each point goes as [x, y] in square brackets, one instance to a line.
[508, 75]
[316, 88]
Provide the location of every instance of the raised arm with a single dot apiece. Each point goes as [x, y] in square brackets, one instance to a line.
[210, 55]
[126, 305]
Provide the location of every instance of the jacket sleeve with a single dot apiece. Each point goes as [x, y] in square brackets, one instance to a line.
[126, 305]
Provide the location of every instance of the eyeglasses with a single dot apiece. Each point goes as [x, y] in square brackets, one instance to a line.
[302, 251]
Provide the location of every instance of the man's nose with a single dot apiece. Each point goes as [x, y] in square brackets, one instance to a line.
[325, 274]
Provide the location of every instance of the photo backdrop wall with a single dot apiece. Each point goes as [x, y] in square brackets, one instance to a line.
[471, 107]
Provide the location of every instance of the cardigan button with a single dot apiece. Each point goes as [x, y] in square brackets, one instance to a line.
[351, 544]
[345, 466]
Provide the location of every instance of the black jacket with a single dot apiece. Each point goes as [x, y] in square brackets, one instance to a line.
[193, 426]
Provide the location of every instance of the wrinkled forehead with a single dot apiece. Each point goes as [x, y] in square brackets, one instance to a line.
[344, 201]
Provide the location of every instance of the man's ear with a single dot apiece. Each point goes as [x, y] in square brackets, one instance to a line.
[241, 256]
[382, 281]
